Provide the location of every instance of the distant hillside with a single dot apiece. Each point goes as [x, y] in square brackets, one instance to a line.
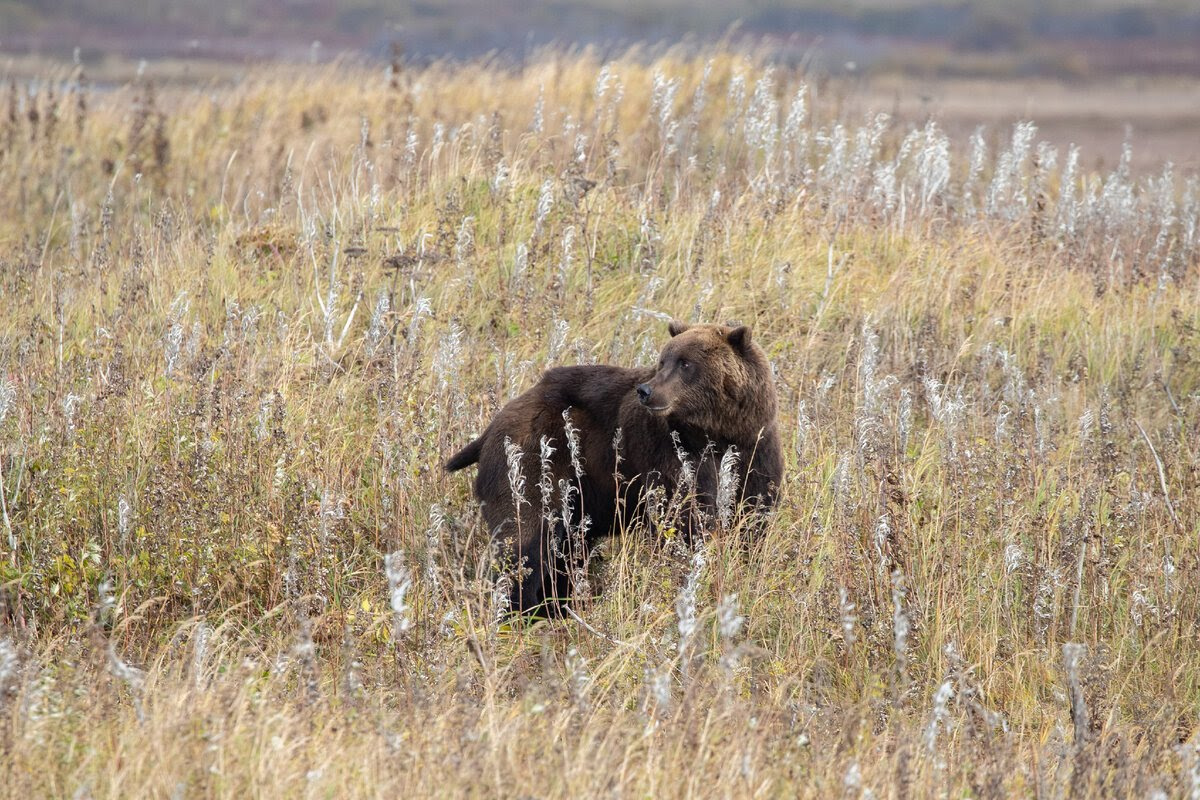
[464, 28]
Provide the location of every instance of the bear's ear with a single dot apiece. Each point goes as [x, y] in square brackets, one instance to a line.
[739, 338]
[675, 327]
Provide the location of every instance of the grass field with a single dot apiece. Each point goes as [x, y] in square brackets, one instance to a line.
[242, 325]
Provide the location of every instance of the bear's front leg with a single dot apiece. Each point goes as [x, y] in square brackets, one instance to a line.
[540, 576]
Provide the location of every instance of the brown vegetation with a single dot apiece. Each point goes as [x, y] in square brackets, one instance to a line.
[240, 325]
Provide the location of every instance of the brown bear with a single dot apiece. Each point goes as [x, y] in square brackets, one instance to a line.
[590, 450]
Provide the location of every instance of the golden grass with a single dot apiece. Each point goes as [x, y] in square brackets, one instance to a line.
[960, 393]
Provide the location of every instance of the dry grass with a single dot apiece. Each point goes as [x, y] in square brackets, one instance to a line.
[241, 327]
[1097, 114]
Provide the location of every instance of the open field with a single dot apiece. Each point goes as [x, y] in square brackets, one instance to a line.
[242, 324]
[1159, 115]
[1160, 118]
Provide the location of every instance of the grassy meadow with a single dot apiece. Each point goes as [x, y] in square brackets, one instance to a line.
[242, 324]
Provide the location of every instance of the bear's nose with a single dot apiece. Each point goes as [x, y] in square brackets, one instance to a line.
[643, 391]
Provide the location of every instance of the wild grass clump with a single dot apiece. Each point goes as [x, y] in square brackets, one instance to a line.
[241, 327]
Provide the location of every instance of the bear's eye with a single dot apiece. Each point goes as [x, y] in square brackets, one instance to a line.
[684, 364]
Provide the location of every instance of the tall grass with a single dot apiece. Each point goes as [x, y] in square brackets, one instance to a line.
[241, 326]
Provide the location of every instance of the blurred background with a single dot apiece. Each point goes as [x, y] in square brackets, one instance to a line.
[1093, 72]
[1001, 38]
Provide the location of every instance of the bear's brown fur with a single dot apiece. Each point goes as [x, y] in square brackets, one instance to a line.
[635, 428]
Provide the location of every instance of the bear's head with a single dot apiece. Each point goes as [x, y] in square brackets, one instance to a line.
[712, 378]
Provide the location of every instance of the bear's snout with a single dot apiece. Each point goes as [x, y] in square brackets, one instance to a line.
[644, 391]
